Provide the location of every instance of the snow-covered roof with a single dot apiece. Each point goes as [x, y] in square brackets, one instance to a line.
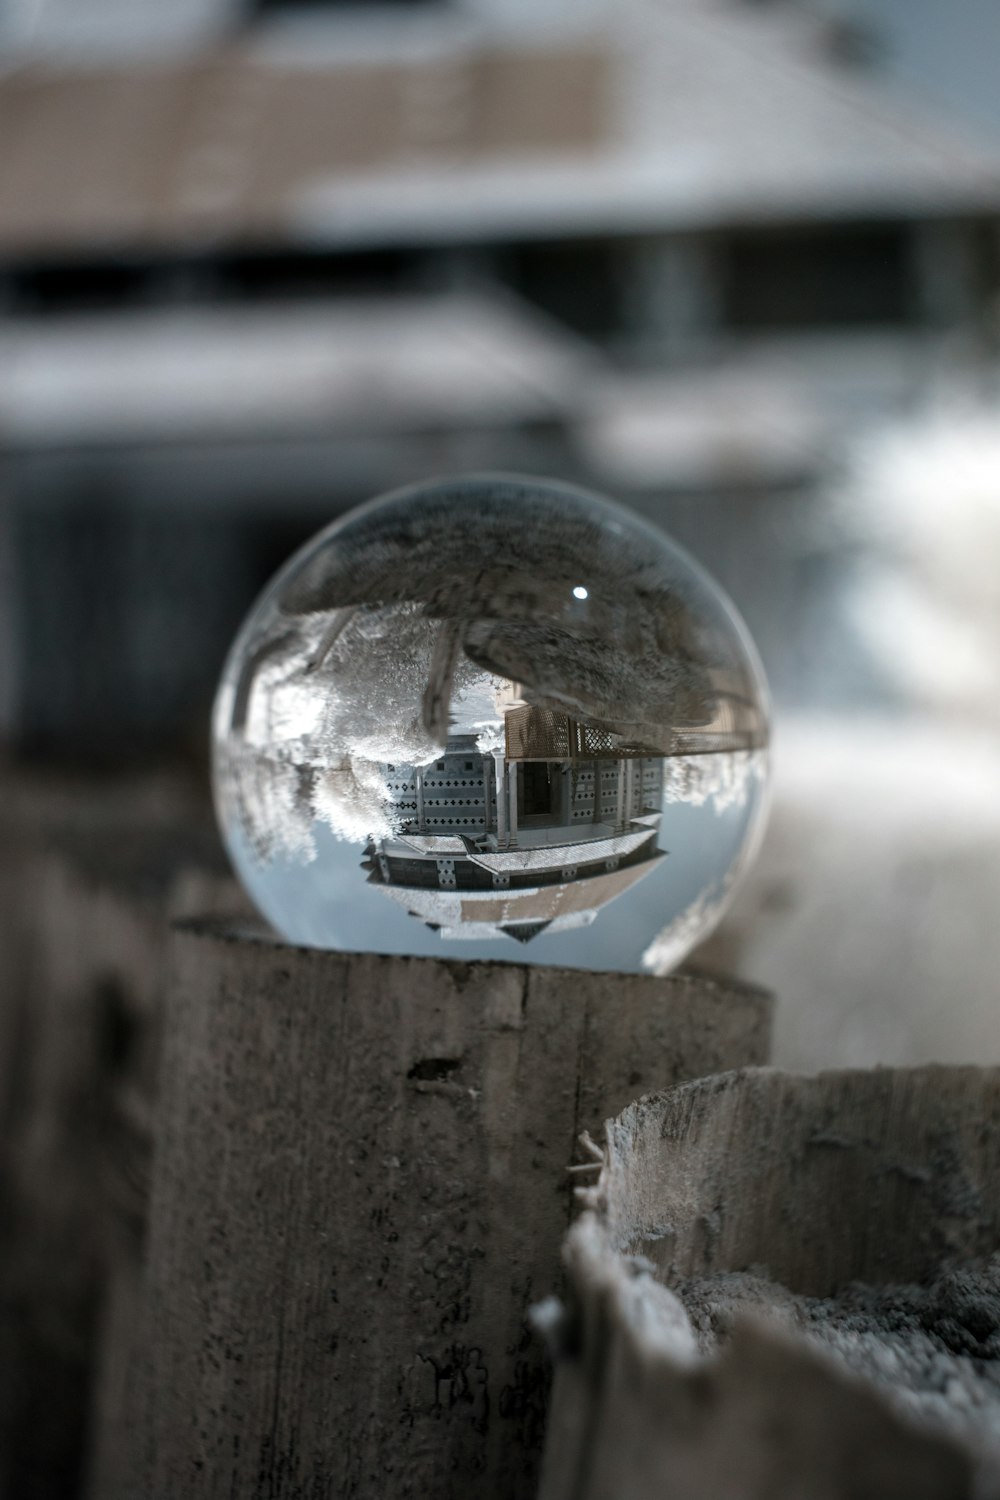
[675, 114]
[558, 856]
[366, 365]
[435, 845]
[738, 112]
[456, 910]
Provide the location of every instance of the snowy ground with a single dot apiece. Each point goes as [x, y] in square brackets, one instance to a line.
[873, 910]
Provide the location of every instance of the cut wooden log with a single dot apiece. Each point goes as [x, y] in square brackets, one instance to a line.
[360, 1186]
[784, 1287]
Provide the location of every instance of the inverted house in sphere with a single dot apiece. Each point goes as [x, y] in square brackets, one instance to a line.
[490, 844]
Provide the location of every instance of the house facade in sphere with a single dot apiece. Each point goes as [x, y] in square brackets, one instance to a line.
[492, 844]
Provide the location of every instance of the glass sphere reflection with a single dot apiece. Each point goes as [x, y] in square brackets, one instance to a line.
[492, 711]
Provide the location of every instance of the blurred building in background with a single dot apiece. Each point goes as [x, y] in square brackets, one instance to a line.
[735, 262]
[259, 261]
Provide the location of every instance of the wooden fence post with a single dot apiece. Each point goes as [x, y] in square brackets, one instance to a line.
[774, 1207]
[359, 1187]
[91, 875]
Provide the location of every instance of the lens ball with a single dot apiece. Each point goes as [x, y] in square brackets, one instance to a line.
[492, 717]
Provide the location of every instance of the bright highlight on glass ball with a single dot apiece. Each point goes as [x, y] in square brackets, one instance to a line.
[492, 717]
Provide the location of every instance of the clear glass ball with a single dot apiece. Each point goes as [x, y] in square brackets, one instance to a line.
[492, 717]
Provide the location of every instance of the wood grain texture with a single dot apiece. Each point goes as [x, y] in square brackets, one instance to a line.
[92, 872]
[360, 1186]
[880, 1177]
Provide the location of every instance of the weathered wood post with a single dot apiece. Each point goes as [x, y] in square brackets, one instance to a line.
[782, 1289]
[91, 875]
[360, 1186]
